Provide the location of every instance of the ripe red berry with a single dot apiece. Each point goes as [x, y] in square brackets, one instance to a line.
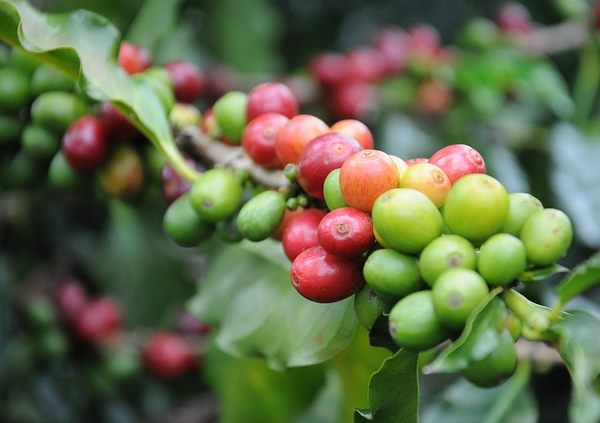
[458, 160]
[355, 129]
[355, 100]
[417, 160]
[271, 97]
[133, 58]
[393, 44]
[366, 64]
[115, 122]
[288, 216]
[514, 17]
[320, 156]
[173, 185]
[258, 139]
[295, 134]
[424, 39]
[325, 278]
[329, 68]
[167, 355]
[188, 81]
[98, 320]
[434, 97]
[301, 233]
[70, 298]
[346, 232]
[84, 144]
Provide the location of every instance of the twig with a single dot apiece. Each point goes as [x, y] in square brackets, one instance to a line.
[223, 155]
[554, 39]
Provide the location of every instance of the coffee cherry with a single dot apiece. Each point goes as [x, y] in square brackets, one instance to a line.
[332, 191]
[230, 113]
[417, 160]
[14, 89]
[167, 355]
[190, 324]
[458, 160]
[61, 174]
[393, 44]
[271, 97]
[423, 39]
[40, 313]
[188, 81]
[24, 61]
[260, 217]
[401, 167]
[353, 100]
[11, 129]
[428, 179]
[47, 78]
[329, 69]
[98, 320]
[406, 220]
[183, 115]
[134, 59]
[320, 156]
[476, 207]
[288, 216]
[368, 307]
[414, 323]
[346, 232]
[84, 144]
[182, 224]
[366, 175]
[258, 139]
[391, 274]
[547, 235]
[70, 299]
[295, 135]
[443, 253]
[456, 293]
[325, 278]
[115, 122]
[216, 195]
[496, 367]
[355, 129]
[501, 259]
[301, 233]
[366, 64]
[39, 142]
[173, 185]
[122, 176]
[434, 97]
[521, 206]
[56, 110]
[514, 17]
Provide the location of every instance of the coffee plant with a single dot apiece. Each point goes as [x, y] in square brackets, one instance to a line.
[364, 232]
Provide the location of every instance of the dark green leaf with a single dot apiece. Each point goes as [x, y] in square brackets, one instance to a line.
[575, 179]
[154, 20]
[586, 81]
[84, 45]
[480, 336]
[579, 345]
[584, 276]
[462, 402]
[260, 314]
[394, 391]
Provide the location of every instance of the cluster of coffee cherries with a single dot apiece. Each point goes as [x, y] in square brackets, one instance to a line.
[71, 315]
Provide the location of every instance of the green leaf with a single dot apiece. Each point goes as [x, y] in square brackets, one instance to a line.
[542, 273]
[584, 276]
[394, 390]
[154, 20]
[480, 336]
[260, 314]
[462, 402]
[84, 45]
[579, 346]
[327, 405]
[250, 392]
[575, 178]
[586, 81]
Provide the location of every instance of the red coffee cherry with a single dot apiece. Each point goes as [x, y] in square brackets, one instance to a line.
[288, 216]
[354, 100]
[115, 122]
[271, 97]
[70, 298]
[458, 160]
[295, 135]
[393, 43]
[346, 232]
[98, 320]
[320, 156]
[301, 233]
[188, 81]
[514, 17]
[325, 278]
[167, 355]
[424, 39]
[329, 69]
[134, 59]
[355, 129]
[366, 64]
[84, 144]
[258, 139]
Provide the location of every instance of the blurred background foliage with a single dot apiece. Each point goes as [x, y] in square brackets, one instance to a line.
[549, 146]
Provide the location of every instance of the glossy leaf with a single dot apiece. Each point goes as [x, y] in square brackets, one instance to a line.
[579, 345]
[394, 391]
[480, 336]
[260, 314]
[462, 402]
[154, 20]
[584, 276]
[84, 45]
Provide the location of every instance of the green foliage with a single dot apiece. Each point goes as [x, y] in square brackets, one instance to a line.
[584, 276]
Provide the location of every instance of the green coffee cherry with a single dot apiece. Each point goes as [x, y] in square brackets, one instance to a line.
[61, 174]
[391, 274]
[39, 142]
[444, 253]
[46, 78]
[547, 235]
[56, 110]
[24, 61]
[183, 225]
[497, 366]
[332, 192]
[230, 112]
[501, 259]
[11, 127]
[14, 89]
[216, 195]
[521, 206]
[260, 217]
